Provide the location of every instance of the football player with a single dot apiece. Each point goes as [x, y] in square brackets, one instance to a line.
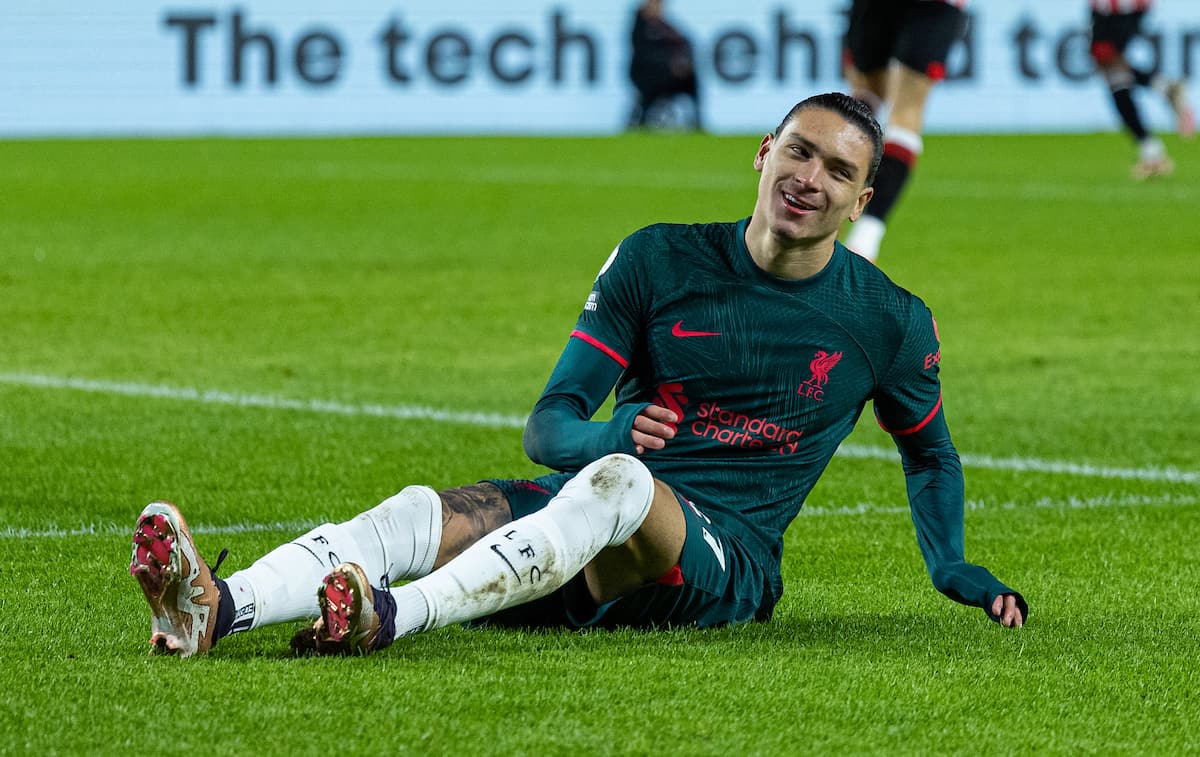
[1114, 24]
[742, 354]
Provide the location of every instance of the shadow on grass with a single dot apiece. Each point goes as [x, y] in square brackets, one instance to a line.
[868, 632]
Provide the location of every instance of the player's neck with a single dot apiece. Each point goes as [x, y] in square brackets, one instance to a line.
[788, 259]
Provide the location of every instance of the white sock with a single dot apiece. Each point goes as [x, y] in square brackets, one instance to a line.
[906, 138]
[399, 538]
[603, 505]
[409, 526]
[281, 586]
[1151, 149]
[865, 236]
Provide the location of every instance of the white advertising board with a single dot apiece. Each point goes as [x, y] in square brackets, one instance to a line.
[162, 67]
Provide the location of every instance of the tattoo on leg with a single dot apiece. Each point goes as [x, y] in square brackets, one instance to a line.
[468, 513]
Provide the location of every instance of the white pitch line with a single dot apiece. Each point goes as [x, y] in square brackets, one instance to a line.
[267, 401]
[1102, 501]
[296, 528]
[125, 529]
[499, 420]
[1036, 465]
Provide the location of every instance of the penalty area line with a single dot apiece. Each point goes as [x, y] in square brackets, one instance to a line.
[504, 421]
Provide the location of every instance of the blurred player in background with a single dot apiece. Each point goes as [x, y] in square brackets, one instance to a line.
[1114, 24]
[915, 35]
[742, 354]
[662, 68]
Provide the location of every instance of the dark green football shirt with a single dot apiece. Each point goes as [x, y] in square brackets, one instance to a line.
[768, 376]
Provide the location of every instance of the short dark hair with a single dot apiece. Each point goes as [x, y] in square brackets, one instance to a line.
[853, 110]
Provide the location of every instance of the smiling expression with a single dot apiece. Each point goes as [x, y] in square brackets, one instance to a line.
[813, 177]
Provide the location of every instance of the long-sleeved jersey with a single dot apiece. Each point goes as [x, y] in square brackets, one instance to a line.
[767, 377]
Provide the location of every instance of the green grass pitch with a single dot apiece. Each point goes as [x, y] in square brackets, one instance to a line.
[261, 331]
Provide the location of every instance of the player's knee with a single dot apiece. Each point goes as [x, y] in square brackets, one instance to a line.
[621, 486]
[406, 503]
[408, 526]
[1118, 78]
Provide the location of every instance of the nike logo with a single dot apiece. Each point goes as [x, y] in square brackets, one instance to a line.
[679, 331]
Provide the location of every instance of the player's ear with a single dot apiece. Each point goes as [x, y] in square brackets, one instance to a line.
[764, 147]
[863, 198]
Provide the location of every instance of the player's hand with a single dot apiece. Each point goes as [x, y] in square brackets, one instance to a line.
[1008, 610]
[653, 427]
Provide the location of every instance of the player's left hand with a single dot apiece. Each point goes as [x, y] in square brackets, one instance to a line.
[1008, 610]
[653, 427]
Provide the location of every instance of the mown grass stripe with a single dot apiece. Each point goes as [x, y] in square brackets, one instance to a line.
[500, 420]
[297, 527]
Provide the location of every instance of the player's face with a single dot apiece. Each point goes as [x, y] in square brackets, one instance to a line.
[813, 176]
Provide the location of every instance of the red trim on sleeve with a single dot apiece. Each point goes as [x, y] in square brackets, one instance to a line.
[916, 428]
[601, 346]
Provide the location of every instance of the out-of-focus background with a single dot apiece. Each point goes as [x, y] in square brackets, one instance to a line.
[252, 260]
[157, 67]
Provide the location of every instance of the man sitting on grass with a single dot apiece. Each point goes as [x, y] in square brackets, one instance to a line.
[742, 354]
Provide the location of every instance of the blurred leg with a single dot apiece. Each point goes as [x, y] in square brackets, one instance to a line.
[902, 145]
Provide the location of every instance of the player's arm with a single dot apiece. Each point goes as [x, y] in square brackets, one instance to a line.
[908, 405]
[933, 477]
[560, 433]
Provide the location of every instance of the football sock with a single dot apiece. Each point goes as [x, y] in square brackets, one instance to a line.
[1148, 80]
[603, 505]
[1127, 110]
[225, 610]
[398, 538]
[282, 585]
[901, 148]
[1121, 82]
[1151, 148]
[409, 528]
[865, 236]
